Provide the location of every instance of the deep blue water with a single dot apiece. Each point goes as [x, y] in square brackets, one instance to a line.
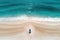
[11, 8]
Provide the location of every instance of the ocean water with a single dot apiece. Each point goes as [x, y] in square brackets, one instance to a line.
[45, 8]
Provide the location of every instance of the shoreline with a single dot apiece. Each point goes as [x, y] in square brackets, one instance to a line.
[29, 18]
[26, 19]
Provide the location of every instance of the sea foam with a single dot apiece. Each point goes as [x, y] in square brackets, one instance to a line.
[25, 17]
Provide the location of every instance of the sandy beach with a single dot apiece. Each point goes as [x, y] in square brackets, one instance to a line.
[42, 28]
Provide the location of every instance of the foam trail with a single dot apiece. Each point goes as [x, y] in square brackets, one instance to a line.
[25, 17]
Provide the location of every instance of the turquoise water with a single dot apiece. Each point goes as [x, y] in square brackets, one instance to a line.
[12, 8]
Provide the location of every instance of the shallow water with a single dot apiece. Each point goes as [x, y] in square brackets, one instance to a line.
[11, 8]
